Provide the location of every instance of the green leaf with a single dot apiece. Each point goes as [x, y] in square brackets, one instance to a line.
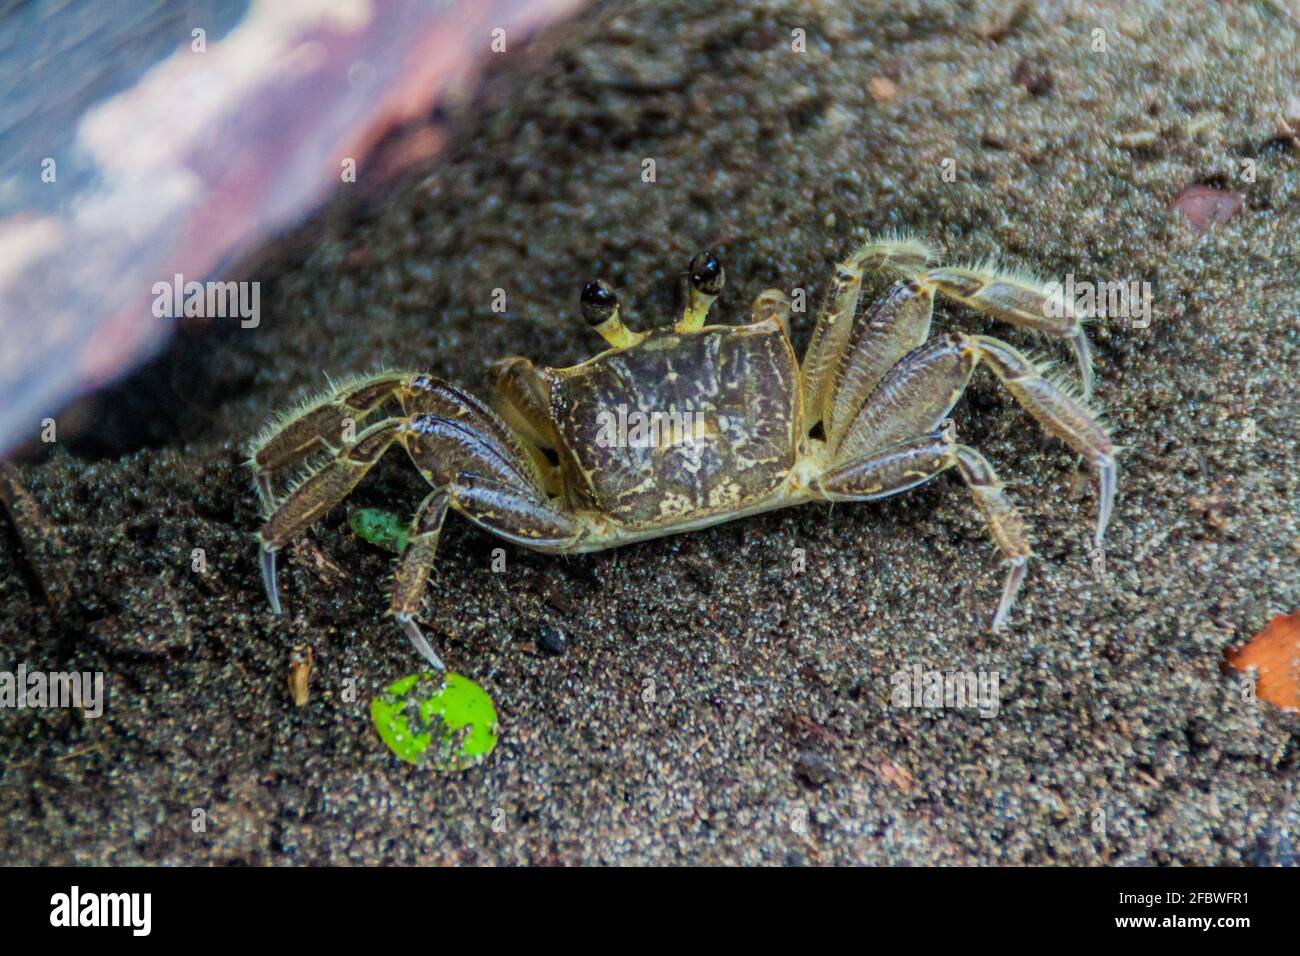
[441, 720]
[381, 528]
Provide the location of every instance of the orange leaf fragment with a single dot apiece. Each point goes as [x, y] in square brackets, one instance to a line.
[1205, 206]
[881, 88]
[1274, 653]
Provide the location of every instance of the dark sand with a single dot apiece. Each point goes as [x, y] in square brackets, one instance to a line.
[771, 689]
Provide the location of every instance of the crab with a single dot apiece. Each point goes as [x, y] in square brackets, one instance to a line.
[725, 422]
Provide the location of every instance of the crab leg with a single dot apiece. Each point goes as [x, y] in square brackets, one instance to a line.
[915, 462]
[521, 398]
[896, 323]
[515, 512]
[919, 392]
[434, 397]
[319, 492]
[412, 572]
[1016, 299]
[913, 398]
[834, 326]
[1065, 416]
[518, 513]
[440, 447]
[316, 426]
[771, 305]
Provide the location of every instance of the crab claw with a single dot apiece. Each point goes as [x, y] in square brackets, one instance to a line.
[268, 578]
[417, 638]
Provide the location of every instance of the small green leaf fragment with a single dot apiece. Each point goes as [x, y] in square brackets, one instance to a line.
[442, 721]
[381, 528]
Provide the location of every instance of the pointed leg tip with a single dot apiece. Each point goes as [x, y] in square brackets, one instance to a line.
[1015, 577]
[268, 579]
[419, 641]
[1108, 481]
[1083, 356]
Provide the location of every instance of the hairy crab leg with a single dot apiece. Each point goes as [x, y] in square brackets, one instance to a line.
[834, 326]
[315, 426]
[918, 460]
[1065, 416]
[516, 512]
[319, 492]
[895, 324]
[1017, 299]
[919, 392]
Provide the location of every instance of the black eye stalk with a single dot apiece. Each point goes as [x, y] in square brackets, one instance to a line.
[707, 275]
[600, 310]
[599, 301]
[707, 279]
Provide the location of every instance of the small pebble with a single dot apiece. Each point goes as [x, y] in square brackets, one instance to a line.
[881, 88]
[812, 769]
[1035, 77]
[552, 640]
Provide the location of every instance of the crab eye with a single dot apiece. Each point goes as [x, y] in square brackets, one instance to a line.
[707, 274]
[598, 302]
[706, 280]
[599, 305]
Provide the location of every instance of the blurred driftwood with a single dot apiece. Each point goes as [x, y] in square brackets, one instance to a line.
[194, 160]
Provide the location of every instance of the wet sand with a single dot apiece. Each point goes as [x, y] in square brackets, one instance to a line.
[714, 704]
